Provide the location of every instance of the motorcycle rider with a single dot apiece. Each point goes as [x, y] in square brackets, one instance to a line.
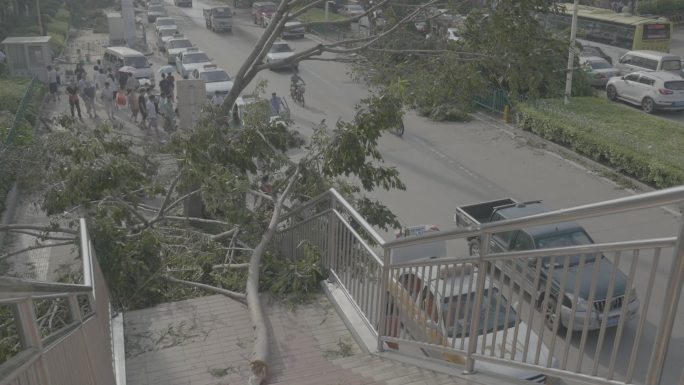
[295, 81]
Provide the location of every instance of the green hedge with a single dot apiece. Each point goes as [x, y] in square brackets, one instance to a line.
[645, 147]
[662, 7]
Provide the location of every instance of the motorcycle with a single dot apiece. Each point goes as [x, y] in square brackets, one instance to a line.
[297, 93]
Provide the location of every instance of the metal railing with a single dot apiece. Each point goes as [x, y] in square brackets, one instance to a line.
[63, 331]
[596, 313]
[27, 110]
[493, 99]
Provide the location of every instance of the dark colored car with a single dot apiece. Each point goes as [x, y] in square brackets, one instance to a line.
[590, 50]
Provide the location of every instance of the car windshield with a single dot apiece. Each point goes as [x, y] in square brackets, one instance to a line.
[166, 22]
[458, 319]
[672, 65]
[355, 8]
[156, 8]
[222, 12]
[280, 48]
[267, 8]
[566, 239]
[167, 32]
[599, 65]
[199, 57]
[136, 62]
[215, 76]
[185, 43]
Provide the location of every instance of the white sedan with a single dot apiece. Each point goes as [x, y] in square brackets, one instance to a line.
[280, 51]
[651, 90]
[216, 80]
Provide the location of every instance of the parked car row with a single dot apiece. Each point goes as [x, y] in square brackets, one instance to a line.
[649, 79]
[184, 57]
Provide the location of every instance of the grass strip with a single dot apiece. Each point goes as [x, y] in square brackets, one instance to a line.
[646, 147]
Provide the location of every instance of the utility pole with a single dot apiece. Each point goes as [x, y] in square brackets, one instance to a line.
[571, 54]
[40, 19]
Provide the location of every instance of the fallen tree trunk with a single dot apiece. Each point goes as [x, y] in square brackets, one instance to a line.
[258, 363]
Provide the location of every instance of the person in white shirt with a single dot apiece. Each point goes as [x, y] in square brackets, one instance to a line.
[217, 99]
[96, 75]
[107, 97]
[52, 82]
[101, 78]
[131, 83]
[152, 114]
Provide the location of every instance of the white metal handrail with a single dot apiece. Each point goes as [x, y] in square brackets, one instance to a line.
[86, 335]
[343, 255]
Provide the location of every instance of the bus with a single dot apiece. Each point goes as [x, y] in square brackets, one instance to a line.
[620, 31]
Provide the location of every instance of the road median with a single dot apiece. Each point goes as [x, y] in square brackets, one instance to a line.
[642, 146]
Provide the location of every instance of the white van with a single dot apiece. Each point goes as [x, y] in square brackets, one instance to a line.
[117, 57]
[634, 61]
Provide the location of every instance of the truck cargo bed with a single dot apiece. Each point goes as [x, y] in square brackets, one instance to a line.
[475, 214]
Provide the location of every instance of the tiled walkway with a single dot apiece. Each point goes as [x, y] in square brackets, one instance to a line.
[208, 341]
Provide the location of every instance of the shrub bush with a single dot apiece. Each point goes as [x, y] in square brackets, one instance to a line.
[63, 15]
[662, 7]
[645, 147]
[58, 27]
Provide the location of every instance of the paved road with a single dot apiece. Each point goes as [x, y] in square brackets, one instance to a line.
[447, 164]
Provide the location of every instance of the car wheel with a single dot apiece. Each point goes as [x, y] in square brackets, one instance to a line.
[648, 105]
[550, 316]
[611, 93]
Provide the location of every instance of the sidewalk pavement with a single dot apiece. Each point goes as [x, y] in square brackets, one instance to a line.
[48, 264]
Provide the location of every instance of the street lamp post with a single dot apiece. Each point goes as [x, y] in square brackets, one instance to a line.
[571, 54]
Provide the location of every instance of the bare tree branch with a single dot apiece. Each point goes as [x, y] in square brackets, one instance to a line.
[172, 188]
[46, 228]
[231, 266]
[303, 9]
[131, 209]
[35, 247]
[42, 235]
[224, 234]
[349, 19]
[230, 294]
[198, 220]
[182, 198]
[331, 47]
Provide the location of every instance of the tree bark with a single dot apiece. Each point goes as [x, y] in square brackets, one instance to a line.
[259, 362]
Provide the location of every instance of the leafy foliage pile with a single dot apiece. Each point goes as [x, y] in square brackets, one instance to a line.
[97, 174]
[643, 146]
[293, 281]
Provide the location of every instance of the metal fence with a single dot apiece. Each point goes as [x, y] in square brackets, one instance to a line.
[493, 99]
[597, 313]
[60, 333]
[28, 110]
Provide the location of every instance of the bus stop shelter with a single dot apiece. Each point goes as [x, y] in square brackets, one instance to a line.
[28, 56]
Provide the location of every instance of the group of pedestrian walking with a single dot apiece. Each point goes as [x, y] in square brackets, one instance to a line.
[116, 92]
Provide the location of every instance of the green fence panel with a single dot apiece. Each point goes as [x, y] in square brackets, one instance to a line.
[24, 106]
[493, 99]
